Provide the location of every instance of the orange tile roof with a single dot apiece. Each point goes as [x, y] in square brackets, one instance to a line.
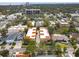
[22, 55]
[33, 32]
[33, 35]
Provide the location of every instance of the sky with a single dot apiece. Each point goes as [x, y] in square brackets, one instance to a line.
[38, 0]
[6, 2]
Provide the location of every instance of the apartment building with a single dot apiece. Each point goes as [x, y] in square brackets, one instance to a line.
[44, 34]
[41, 34]
[31, 34]
[32, 11]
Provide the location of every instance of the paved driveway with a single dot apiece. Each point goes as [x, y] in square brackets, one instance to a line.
[18, 45]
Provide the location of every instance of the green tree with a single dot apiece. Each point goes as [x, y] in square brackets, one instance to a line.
[4, 43]
[73, 41]
[3, 32]
[72, 27]
[29, 24]
[77, 53]
[64, 31]
[4, 53]
[25, 30]
[50, 30]
[43, 47]
[46, 22]
[8, 25]
[13, 43]
[68, 15]
[60, 49]
[31, 48]
[57, 26]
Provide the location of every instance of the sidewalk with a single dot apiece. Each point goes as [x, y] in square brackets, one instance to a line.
[37, 38]
[70, 51]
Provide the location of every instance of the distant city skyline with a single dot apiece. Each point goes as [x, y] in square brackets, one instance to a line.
[22, 3]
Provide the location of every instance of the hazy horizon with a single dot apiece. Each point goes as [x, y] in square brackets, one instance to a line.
[21, 3]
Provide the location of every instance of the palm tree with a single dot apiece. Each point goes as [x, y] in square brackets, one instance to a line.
[52, 47]
[50, 30]
[60, 49]
[31, 48]
[73, 41]
[44, 47]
